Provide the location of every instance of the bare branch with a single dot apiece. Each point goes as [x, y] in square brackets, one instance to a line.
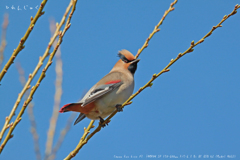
[57, 97]
[156, 28]
[81, 142]
[3, 39]
[34, 88]
[23, 39]
[30, 115]
[63, 133]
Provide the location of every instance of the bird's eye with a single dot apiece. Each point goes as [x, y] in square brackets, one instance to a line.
[123, 58]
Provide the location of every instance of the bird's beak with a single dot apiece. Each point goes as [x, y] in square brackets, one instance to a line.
[135, 61]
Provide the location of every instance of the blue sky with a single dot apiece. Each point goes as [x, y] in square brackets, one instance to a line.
[191, 110]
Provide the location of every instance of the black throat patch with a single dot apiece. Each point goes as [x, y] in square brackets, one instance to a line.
[132, 68]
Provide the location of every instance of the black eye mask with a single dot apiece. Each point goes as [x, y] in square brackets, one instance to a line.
[123, 58]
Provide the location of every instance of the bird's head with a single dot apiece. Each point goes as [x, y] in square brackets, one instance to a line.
[127, 61]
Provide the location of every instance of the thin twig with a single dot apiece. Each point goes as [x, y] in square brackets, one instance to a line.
[57, 97]
[27, 85]
[23, 39]
[34, 88]
[81, 142]
[156, 28]
[30, 115]
[31, 76]
[148, 84]
[3, 38]
[63, 133]
[34, 132]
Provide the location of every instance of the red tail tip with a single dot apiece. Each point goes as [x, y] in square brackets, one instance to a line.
[63, 109]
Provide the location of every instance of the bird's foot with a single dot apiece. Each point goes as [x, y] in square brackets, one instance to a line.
[119, 107]
[102, 121]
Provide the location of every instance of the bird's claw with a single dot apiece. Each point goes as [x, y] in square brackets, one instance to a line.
[119, 107]
[101, 122]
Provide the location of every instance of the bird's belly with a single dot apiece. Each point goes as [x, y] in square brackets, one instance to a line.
[107, 104]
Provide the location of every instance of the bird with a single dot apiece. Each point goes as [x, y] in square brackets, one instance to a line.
[108, 94]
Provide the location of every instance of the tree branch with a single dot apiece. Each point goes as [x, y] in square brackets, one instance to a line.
[31, 76]
[23, 39]
[84, 140]
[156, 28]
[3, 38]
[57, 97]
[33, 129]
[34, 88]
[63, 133]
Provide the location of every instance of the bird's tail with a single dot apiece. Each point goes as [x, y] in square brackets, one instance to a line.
[71, 107]
[80, 117]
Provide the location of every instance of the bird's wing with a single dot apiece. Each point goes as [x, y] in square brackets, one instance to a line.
[100, 91]
[93, 94]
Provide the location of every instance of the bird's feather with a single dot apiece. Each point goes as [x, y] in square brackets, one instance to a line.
[80, 117]
[100, 91]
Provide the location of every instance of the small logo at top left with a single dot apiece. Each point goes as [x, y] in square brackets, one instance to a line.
[19, 8]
